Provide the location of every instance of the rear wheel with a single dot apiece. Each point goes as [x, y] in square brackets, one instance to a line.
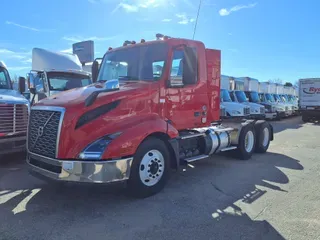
[150, 168]
[246, 142]
[263, 136]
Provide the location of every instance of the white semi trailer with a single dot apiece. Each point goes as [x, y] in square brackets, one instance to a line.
[309, 98]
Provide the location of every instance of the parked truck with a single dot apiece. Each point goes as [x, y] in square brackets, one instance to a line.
[137, 127]
[54, 72]
[14, 110]
[257, 111]
[232, 109]
[309, 99]
[273, 108]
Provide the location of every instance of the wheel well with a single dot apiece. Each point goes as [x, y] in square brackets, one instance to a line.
[165, 138]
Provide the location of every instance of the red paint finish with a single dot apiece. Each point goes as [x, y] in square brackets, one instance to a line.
[146, 107]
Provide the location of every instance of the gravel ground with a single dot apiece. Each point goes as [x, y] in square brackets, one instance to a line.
[272, 196]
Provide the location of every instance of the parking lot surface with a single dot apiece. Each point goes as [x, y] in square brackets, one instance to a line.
[271, 196]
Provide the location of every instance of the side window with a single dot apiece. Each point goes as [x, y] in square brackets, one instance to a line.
[184, 68]
[157, 69]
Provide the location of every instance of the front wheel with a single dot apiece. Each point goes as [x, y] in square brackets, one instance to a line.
[150, 168]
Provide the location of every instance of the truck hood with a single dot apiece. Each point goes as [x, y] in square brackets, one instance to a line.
[232, 105]
[12, 96]
[252, 105]
[78, 96]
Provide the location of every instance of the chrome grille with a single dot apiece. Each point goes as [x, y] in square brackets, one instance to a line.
[262, 110]
[247, 111]
[13, 118]
[43, 132]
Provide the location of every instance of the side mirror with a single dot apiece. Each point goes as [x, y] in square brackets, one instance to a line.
[22, 84]
[31, 83]
[95, 70]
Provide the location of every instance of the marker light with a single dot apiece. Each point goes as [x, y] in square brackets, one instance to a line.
[110, 48]
[133, 42]
[143, 41]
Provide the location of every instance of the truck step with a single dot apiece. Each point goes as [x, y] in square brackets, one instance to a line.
[228, 148]
[192, 135]
[196, 158]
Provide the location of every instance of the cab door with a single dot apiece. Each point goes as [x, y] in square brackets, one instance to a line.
[186, 92]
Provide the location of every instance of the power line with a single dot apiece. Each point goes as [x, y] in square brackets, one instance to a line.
[195, 26]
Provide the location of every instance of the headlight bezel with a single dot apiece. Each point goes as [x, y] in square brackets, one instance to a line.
[95, 150]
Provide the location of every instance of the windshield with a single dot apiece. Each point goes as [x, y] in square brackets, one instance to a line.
[277, 97]
[4, 79]
[61, 81]
[241, 96]
[284, 98]
[254, 97]
[269, 98]
[140, 62]
[224, 94]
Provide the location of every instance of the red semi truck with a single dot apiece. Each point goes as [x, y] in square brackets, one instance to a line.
[136, 123]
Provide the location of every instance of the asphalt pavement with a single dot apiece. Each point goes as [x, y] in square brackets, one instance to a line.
[271, 196]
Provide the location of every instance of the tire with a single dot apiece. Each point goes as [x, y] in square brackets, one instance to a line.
[263, 136]
[242, 152]
[148, 178]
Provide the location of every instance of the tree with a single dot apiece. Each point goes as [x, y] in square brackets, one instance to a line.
[288, 84]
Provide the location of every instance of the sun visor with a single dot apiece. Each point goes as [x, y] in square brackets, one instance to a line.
[43, 59]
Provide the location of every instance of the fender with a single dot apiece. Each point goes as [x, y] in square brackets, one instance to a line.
[130, 139]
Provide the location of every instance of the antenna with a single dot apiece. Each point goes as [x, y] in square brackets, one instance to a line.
[195, 26]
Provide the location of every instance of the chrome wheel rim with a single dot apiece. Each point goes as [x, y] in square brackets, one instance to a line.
[266, 136]
[151, 168]
[249, 141]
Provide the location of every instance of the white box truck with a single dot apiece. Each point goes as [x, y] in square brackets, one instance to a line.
[274, 110]
[309, 98]
[257, 111]
[232, 109]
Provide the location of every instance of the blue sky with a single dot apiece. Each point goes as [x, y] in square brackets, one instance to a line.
[264, 39]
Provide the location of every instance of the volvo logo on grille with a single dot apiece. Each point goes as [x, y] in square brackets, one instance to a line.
[40, 131]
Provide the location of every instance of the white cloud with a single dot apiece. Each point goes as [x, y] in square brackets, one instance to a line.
[80, 38]
[22, 26]
[184, 19]
[8, 54]
[69, 50]
[166, 20]
[20, 68]
[135, 7]
[226, 12]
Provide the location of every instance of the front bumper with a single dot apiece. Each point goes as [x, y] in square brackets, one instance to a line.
[271, 115]
[80, 171]
[12, 144]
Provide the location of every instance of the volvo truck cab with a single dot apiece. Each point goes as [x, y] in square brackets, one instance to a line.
[14, 111]
[137, 127]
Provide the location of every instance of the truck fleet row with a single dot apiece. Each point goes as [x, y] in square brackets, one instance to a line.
[136, 122]
[247, 97]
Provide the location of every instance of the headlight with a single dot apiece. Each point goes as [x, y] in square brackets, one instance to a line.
[95, 150]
